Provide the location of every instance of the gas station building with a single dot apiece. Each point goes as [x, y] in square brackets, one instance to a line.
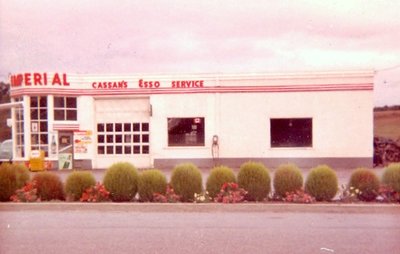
[83, 121]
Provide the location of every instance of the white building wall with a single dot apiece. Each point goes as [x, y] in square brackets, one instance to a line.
[86, 119]
[341, 123]
[180, 105]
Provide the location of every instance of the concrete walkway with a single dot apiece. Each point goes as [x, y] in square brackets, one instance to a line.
[262, 207]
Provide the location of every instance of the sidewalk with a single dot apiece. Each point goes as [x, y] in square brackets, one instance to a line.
[264, 207]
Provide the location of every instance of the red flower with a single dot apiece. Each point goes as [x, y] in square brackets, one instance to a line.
[230, 193]
[96, 193]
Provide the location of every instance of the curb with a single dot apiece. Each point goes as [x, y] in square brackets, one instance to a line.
[204, 208]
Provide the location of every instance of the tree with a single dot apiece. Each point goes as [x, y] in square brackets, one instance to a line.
[4, 92]
[5, 132]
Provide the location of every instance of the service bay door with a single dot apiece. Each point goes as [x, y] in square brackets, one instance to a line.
[122, 129]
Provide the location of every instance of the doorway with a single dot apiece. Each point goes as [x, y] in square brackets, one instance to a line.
[65, 150]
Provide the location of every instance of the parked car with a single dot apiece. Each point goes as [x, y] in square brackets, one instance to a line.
[6, 153]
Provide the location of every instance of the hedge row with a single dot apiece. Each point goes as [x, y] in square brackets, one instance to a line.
[122, 182]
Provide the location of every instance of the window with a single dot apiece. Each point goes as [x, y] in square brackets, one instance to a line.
[39, 131]
[291, 132]
[123, 138]
[65, 109]
[186, 131]
[19, 129]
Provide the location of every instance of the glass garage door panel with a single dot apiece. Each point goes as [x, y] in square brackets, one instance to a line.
[123, 127]
[123, 138]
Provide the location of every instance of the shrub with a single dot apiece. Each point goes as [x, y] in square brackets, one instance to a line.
[391, 176]
[96, 193]
[288, 178]
[366, 182]
[186, 180]
[121, 180]
[150, 182]
[230, 193]
[322, 183]
[49, 186]
[218, 176]
[77, 182]
[12, 178]
[254, 178]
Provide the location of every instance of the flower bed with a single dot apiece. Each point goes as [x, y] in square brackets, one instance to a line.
[231, 192]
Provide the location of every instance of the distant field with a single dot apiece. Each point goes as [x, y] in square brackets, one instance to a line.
[387, 124]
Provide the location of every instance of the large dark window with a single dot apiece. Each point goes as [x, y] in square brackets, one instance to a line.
[65, 109]
[186, 131]
[291, 132]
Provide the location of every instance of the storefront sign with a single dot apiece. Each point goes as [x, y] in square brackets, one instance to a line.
[110, 85]
[65, 161]
[39, 79]
[174, 83]
[187, 84]
[149, 84]
[80, 148]
[82, 139]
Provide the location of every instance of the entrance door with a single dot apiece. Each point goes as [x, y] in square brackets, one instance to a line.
[65, 149]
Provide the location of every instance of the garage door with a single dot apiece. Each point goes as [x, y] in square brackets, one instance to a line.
[123, 132]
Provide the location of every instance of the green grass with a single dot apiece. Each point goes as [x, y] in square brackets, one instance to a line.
[387, 124]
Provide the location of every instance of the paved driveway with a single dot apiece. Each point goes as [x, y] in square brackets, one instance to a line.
[191, 228]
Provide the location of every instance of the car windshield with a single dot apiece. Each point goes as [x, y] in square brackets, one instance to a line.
[6, 149]
[6, 144]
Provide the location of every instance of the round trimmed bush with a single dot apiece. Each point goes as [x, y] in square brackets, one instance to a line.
[49, 186]
[322, 183]
[287, 178]
[12, 178]
[391, 176]
[366, 182]
[254, 178]
[186, 180]
[150, 182]
[218, 176]
[77, 182]
[121, 180]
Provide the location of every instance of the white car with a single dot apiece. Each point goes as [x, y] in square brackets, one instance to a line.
[6, 153]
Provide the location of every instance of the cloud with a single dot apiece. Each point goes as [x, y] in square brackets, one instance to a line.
[193, 36]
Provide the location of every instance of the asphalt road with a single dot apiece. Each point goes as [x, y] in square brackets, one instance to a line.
[198, 229]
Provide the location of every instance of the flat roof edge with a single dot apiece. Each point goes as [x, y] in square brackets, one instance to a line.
[228, 76]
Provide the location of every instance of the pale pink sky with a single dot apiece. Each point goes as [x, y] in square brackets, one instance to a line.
[175, 36]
